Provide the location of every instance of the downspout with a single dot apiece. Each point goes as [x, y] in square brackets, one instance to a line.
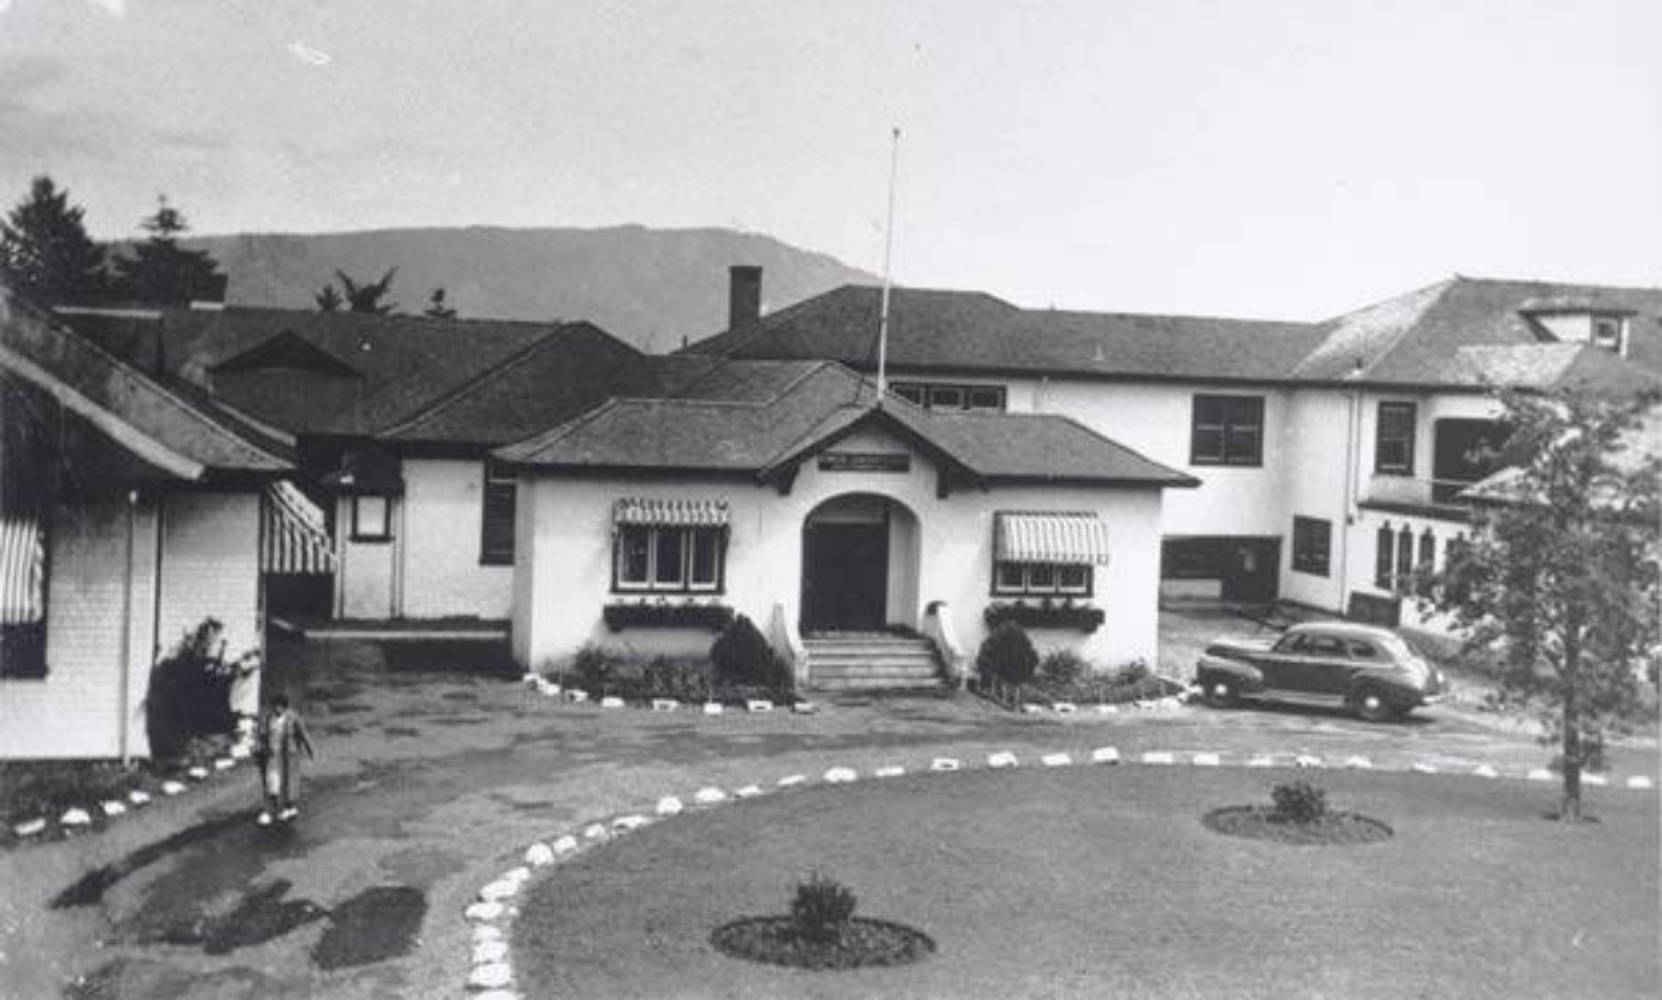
[124, 737]
[1353, 418]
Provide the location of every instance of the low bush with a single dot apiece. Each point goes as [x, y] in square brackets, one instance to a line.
[1298, 802]
[822, 909]
[680, 680]
[741, 657]
[593, 667]
[1063, 668]
[1007, 655]
[1135, 672]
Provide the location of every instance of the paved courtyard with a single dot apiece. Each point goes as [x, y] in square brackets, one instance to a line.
[429, 784]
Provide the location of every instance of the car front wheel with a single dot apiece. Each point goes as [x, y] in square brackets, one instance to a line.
[1372, 705]
[1222, 692]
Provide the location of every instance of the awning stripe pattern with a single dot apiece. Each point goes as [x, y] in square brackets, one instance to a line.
[1068, 538]
[22, 570]
[671, 513]
[296, 534]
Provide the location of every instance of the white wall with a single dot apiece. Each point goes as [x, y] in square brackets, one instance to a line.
[366, 572]
[443, 507]
[76, 710]
[562, 587]
[209, 567]
[1318, 424]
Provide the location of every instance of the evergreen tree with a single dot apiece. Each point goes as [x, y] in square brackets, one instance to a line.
[45, 249]
[436, 307]
[163, 272]
[328, 300]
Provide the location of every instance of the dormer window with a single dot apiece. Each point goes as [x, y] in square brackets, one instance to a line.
[1607, 334]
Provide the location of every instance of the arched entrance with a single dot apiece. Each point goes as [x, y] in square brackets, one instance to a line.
[859, 565]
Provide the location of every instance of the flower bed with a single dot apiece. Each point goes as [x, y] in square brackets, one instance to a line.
[863, 943]
[1264, 823]
[709, 617]
[1067, 615]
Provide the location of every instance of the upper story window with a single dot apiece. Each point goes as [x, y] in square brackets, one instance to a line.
[1607, 334]
[496, 517]
[951, 395]
[1393, 452]
[1227, 430]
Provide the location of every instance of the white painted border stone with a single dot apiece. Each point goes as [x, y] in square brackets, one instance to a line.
[791, 780]
[1105, 755]
[1158, 757]
[709, 796]
[841, 776]
[941, 764]
[889, 771]
[1639, 781]
[669, 805]
[1056, 760]
[1002, 759]
[1208, 760]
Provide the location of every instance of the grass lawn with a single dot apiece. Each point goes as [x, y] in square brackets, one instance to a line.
[1095, 882]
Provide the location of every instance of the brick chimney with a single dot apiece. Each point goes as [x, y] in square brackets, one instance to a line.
[744, 295]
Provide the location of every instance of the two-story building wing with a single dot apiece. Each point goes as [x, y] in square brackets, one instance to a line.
[1330, 454]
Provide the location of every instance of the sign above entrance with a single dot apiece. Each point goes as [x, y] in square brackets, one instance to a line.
[864, 461]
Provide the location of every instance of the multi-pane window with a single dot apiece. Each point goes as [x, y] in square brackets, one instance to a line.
[1227, 430]
[1064, 579]
[371, 517]
[951, 395]
[1384, 559]
[1405, 558]
[1394, 440]
[1425, 562]
[668, 559]
[496, 519]
[1312, 545]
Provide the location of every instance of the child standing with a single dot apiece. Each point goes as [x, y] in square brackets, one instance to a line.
[281, 738]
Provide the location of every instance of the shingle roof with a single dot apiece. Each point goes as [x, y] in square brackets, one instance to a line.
[1412, 339]
[117, 397]
[403, 364]
[817, 403]
[931, 328]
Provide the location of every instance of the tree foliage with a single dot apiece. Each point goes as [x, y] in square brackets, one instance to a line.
[436, 307]
[163, 272]
[1560, 575]
[45, 249]
[365, 297]
[328, 299]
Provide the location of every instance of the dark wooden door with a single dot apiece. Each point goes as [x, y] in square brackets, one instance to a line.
[845, 576]
[1252, 571]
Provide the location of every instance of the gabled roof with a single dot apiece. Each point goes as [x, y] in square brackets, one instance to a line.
[817, 404]
[1413, 340]
[172, 428]
[391, 367]
[970, 331]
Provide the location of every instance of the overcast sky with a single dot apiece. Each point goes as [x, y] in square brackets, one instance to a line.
[1278, 158]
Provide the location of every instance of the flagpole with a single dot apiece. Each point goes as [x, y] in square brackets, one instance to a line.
[888, 256]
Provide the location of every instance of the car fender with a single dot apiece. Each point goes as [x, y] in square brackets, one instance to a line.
[1387, 681]
[1249, 677]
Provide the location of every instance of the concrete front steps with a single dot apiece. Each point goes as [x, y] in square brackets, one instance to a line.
[869, 662]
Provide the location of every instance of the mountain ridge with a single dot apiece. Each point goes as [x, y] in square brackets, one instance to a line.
[654, 288]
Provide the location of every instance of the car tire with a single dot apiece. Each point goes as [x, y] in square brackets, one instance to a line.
[1222, 692]
[1371, 705]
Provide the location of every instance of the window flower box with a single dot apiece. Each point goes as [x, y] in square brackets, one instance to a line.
[1083, 617]
[710, 617]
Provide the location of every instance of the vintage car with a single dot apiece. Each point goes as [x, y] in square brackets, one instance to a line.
[1368, 670]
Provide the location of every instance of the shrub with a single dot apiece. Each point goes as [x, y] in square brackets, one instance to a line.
[190, 692]
[1062, 668]
[741, 657]
[593, 667]
[682, 680]
[822, 908]
[1135, 672]
[1007, 654]
[1298, 802]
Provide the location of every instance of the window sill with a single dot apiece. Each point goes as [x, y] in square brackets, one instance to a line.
[496, 560]
[1325, 574]
[369, 539]
[1207, 464]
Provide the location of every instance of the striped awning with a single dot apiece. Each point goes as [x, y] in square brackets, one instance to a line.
[296, 537]
[674, 513]
[22, 570]
[1068, 538]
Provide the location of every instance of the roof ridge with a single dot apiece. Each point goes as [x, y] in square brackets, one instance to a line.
[551, 435]
[455, 394]
[1479, 279]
